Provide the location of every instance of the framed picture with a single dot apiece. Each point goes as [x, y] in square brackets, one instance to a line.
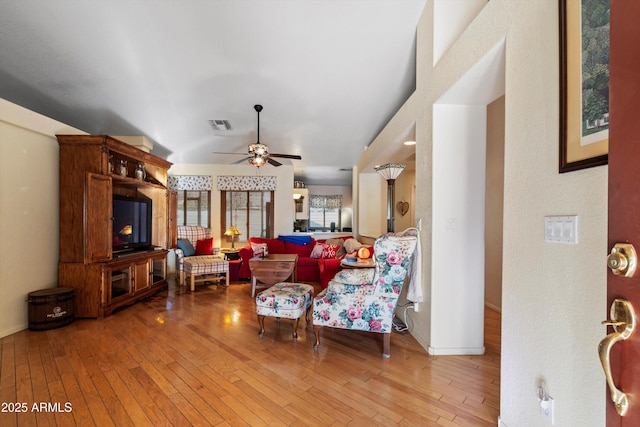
[584, 83]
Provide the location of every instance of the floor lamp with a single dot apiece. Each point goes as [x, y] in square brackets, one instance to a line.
[390, 172]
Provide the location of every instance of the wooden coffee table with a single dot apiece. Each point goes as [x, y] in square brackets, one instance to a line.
[273, 269]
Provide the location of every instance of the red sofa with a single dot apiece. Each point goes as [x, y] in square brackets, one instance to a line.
[308, 269]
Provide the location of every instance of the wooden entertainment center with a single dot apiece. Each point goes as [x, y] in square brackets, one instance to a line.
[94, 168]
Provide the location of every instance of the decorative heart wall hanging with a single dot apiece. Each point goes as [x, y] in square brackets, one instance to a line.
[403, 207]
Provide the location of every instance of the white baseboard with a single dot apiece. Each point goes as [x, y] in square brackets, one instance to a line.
[500, 423]
[12, 330]
[458, 351]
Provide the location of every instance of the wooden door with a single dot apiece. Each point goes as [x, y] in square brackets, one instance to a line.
[141, 279]
[269, 220]
[624, 202]
[97, 220]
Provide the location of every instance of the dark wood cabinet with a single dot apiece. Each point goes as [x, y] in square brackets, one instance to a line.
[97, 238]
[94, 168]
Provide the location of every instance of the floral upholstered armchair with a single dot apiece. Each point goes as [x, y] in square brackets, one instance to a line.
[365, 299]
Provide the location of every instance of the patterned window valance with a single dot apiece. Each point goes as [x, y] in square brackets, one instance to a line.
[190, 182]
[247, 183]
[326, 202]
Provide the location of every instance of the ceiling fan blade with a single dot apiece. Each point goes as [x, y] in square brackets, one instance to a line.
[237, 154]
[286, 156]
[273, 162]
[237, 162]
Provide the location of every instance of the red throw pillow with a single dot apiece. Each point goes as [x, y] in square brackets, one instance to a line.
[204, 247]
[329, 251]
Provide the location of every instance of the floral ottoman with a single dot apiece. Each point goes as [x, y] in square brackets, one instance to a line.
[288, 300]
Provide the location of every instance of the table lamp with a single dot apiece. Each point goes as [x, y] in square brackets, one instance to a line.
[233, 232]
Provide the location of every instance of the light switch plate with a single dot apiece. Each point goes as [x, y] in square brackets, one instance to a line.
[561, 229]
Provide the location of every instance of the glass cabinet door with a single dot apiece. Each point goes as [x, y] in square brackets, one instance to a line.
[120, 282]
[159, 270]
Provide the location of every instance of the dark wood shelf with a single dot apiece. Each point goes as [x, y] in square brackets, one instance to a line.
[134, 182]
[87, 186]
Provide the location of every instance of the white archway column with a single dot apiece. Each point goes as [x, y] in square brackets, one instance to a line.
[457, 274]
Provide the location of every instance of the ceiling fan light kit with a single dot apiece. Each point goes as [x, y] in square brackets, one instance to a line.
[258, 149]
[257, 161]
[258, 153]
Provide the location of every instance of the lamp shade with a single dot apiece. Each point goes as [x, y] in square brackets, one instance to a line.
[390, 170]
[232, 231]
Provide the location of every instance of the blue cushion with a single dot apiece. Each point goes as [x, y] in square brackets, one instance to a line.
[298, 240]
[187, 247]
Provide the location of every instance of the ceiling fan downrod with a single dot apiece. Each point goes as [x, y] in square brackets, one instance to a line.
[258, 108]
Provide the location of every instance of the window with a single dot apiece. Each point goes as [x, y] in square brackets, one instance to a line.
[193, 208]
[321, 218]
[325, 212]
[250, 211]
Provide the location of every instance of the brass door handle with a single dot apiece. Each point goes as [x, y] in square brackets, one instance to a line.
[623, 321]
[622, 260]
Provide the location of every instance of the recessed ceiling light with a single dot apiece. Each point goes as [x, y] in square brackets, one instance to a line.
[220, 124]
[409, 143]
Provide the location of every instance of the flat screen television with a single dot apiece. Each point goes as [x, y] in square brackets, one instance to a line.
[131, 223]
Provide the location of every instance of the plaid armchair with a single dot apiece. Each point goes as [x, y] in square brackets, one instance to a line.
[365, 299]
[192, 233]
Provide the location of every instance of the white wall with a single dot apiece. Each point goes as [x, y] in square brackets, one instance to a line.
[283, 221]
[29, 194]
[373, 196]
[453, 18]
[405, 190]
[553, 295]
[494, 205]
[457, 277]
[373, 191]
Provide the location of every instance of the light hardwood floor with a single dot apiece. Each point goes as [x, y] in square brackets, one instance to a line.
[182, 358]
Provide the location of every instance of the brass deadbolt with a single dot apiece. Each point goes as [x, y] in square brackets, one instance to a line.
[622, 260]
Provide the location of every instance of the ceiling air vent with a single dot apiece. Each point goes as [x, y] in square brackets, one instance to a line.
[220, 124]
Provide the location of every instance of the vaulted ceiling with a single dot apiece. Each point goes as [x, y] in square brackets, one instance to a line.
[329, 73]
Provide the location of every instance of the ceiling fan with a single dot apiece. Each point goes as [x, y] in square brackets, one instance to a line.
[258, 154]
